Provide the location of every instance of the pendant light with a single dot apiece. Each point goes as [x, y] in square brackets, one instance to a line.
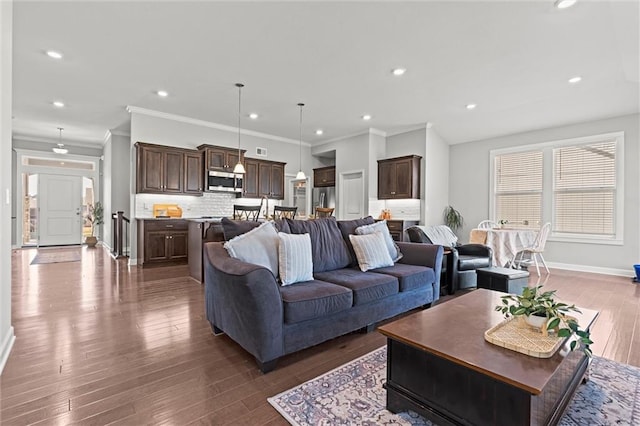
[239, 168]
[60, 149]
[300, 174]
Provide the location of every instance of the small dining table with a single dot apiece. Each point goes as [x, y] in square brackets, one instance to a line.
[505, 242]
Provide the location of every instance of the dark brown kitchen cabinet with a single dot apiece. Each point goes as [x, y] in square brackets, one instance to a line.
[220, 157]
[399, 178]
[193, 173]
[264, 178]
[397, 228]
[200, 232]
[168, 170]
[163, 241]
[324, 176]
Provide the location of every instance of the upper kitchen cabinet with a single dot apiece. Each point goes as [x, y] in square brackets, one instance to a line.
[168, 170]
[193, 173]
[263, 178]
[324, 176]
[220, 158]
[399, 178]
[160, 169]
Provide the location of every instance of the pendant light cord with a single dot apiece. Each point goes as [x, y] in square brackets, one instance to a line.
[300, 150]
[240, 86]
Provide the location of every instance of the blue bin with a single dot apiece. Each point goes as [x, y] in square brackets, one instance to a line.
[637, 268]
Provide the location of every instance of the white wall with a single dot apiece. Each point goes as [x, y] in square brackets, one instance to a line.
[469, 191]
[436, 178]
[183, 132]
[116, 180]
[7, 336]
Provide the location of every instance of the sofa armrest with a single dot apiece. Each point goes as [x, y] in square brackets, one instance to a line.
[243, 300]
[424, 255]
[475, 250]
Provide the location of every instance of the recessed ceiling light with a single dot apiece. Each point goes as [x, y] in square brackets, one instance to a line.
[366, 117]
[563, 4]
[58, 104]
[319, 132]
[53, 54]
[253, 116]
[471, 106]
[576, 79]
[398, 71]
[162, 93]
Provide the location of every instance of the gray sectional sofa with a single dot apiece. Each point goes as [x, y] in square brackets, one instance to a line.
[269, 320]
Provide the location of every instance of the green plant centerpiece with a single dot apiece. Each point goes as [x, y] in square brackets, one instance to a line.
[95, 215]
[533, 302]
[452, 218]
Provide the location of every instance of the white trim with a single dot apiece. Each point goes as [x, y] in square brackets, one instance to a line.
[592, 269]
[5, 348]
[377, 132]
[69, 143]
[575, 238]
[556, 143]
[339, 193]
[203, 123]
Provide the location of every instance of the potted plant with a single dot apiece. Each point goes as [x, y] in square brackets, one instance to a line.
[95, 215]
[452, 218]
[540, 309]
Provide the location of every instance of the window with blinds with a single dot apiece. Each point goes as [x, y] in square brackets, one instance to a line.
[584, 192]
[518, 188]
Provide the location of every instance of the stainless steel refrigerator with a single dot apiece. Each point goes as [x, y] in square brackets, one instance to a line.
[324, 197]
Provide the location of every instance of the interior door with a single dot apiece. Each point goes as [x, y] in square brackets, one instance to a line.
[60, 210]
[351, 196]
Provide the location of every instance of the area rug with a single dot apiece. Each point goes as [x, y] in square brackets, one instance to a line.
[353, 395]
[56, 256]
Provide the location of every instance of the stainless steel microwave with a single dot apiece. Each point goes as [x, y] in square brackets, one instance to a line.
[224, 181]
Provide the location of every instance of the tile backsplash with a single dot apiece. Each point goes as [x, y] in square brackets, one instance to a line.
[217, 204]
[400, 209]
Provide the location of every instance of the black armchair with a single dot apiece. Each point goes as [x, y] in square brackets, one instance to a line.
[461, 263]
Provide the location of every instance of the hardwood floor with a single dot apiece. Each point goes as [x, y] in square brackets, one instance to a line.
[101, 343]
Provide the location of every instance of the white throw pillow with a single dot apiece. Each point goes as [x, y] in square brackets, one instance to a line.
[382, 227]
[258, 246]
[371, 251]
[294, 254]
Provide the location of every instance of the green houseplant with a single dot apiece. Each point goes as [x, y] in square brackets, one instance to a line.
[452, 218]
[533, 302]
[95, 215]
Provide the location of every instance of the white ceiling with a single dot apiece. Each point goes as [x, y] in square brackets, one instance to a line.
[512, 58]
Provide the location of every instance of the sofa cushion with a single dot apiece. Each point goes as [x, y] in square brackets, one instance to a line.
[233, 228]
[383, 228]
[313, 299]
[348, 227]
[411, 277]
[371, 251]
[328, 248]
[366, 287]
[258, 246]
[468, 263]
[294, 258]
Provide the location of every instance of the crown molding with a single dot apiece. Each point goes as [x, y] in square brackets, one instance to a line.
[180, 118]
[353, 135]
[410, 129]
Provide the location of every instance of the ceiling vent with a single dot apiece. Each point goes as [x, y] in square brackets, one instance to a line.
[262, 152]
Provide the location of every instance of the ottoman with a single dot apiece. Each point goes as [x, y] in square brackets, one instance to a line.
[502, 279]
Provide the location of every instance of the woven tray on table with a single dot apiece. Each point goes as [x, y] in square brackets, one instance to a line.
[516, 335]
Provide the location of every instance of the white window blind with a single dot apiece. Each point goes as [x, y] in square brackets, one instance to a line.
[585, 189]
[518, 188]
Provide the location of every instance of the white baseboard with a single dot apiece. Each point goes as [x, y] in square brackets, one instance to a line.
[5, 348]
[593, 269]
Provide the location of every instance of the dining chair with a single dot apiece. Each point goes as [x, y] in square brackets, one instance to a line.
[280, 212]
[324, 211]
[536, 249]
[487, 224]
[246, 212]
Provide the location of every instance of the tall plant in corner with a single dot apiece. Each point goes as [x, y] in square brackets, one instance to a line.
[95, 215]
[452, 218]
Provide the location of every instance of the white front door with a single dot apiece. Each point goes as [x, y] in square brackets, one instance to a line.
[351, 195]
[60, 210]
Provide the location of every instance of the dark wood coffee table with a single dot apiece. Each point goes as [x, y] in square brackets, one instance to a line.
[440, 366]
